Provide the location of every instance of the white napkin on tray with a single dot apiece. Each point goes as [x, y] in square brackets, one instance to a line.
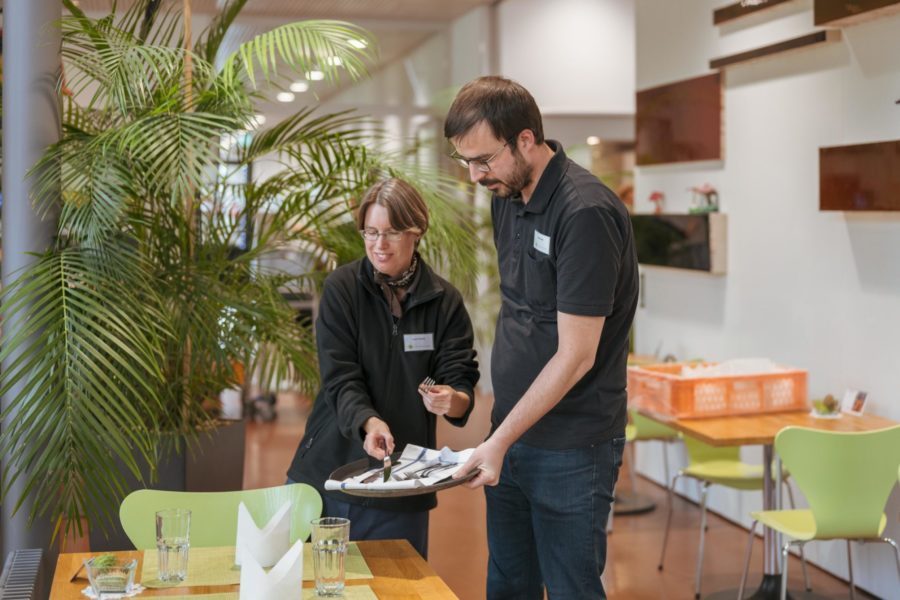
[266, 545]
[417, 467]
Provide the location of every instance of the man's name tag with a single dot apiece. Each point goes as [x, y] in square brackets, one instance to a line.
[418, 342]
[541, 242]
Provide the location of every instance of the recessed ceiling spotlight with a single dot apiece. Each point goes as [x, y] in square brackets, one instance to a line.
[284, 97]
[299, 86]
[315, 75]
[593, 140]
[334, 61]
[357, 43]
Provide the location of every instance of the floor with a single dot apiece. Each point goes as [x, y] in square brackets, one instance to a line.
[458, 550]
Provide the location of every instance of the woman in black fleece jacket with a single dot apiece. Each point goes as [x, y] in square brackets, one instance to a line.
[386, 321]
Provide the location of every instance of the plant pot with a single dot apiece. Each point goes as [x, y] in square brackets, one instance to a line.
[214, 462]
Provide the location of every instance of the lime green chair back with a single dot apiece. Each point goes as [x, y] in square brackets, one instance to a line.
[846, 477]
[214, 514]
[700, 452]
[643, 428]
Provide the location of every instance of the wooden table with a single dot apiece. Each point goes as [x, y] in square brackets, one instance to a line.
[398, 569]
[748, 430]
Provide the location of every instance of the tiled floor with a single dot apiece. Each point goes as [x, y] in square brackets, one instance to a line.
[458, 549]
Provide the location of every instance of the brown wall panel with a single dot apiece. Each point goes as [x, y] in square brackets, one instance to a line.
[680, 122]
[860, 177]
[849, 12]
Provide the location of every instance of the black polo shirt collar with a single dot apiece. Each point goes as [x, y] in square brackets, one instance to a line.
[549, 181]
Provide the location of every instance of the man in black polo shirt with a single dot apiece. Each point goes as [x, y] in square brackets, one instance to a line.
[568, 283]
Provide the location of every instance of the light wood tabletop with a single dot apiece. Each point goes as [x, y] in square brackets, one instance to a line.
[399, 572]
[761, 429]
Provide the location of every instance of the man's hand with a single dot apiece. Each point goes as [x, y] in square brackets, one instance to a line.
[379, 442]
[487, 458]
[438, 399]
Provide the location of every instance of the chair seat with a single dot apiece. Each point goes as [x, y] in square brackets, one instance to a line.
[729, 473]
[734, 474]
[800, 524]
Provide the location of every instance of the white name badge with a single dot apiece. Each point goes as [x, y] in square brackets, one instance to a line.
[541, 242]
[418, 342]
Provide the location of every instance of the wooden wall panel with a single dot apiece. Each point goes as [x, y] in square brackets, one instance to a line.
[860, 177]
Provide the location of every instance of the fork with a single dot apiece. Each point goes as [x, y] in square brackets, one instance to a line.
[426, 384]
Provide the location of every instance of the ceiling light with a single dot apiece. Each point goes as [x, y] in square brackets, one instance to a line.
[593, 140]
[315, 75]
[334, 61]
[299, 86]
[284, 97]
[357, 43]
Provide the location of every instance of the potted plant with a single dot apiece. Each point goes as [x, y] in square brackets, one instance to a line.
[143, 305]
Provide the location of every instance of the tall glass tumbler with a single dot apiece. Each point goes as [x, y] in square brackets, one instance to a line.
[330, 536]
[173, 542]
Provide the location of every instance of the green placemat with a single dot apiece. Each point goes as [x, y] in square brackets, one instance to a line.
[351, 592]
[215, 566]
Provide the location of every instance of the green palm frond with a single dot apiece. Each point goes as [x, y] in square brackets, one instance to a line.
[83, 363]
[211, 39]
[301, 47]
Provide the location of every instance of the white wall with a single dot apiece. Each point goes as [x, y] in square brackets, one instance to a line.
[574, 56]
[817, 290]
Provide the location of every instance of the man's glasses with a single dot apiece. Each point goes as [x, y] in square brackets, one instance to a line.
[480, 164]
[371, 235]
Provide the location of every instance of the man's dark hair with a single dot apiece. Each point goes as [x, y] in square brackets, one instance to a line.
[507, 108]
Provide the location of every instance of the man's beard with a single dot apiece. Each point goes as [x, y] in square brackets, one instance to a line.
[518, 180]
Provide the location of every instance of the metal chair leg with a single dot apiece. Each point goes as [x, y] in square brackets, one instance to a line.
[802, 556]
[665, 449]
[747, 560]
[703, 495]
[896, 551]
[785, 551]
[850, 569]
[631, 466]
[662, 554]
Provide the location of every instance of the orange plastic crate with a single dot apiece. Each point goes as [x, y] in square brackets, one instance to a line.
[661, 388]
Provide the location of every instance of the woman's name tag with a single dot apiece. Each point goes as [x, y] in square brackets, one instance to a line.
[418, 342]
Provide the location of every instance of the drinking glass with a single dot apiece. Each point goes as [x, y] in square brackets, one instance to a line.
[173, 541]
[110, 576]
[330, 536]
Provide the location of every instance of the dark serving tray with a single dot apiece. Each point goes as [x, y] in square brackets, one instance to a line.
[362, 465]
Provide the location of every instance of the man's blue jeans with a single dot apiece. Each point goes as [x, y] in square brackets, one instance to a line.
[546, 521]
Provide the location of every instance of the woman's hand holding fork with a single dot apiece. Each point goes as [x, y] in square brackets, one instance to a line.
[443, 399]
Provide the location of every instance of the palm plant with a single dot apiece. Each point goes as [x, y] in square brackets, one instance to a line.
[142, 306]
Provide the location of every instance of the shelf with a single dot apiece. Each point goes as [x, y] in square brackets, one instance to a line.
[680, 122]
[811, 40]
[841, 13]
[861, 177]
[737, 10]
[695, 242]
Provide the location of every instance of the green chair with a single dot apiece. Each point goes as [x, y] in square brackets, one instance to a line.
[642, 429]
[214, 514]
[846, 477]
[711, 465]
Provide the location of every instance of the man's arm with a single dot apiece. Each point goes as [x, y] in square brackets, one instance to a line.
[579, 338]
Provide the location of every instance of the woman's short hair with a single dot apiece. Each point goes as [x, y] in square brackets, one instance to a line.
[506, 106]
[405, 207]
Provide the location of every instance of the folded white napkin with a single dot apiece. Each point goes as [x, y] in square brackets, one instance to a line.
[135, 590]
[284, 582]
[266, 545]
[417, 467]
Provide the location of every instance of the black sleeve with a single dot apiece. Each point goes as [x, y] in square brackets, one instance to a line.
[454, 361]
[589, 255]
[339, 363]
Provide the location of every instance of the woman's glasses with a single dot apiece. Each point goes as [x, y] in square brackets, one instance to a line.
[371, 235]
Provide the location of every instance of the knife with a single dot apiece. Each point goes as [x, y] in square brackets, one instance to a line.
[387, 463]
